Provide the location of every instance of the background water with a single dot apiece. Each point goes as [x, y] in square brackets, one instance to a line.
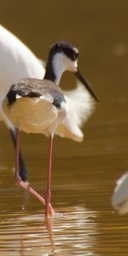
[84, 173]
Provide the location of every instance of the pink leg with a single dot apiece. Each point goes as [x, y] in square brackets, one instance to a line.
[48, 190]
[19, 180]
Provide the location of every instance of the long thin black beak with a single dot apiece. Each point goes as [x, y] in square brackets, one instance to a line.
[81, 78]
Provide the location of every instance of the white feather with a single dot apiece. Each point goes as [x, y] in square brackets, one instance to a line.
[48, 97]
[16, 62]
[80, 107]
[18, 96]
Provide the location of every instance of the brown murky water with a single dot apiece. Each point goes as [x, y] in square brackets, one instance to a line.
[84, 173]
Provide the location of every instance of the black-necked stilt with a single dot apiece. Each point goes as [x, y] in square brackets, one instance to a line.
[39, 106]
[16, 62]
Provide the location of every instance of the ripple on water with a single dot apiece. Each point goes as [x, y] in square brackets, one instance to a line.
[70, 233]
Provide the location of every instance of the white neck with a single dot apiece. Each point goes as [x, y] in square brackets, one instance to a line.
[61, 63]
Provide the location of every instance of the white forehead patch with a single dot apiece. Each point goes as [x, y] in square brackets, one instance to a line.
[75, 49]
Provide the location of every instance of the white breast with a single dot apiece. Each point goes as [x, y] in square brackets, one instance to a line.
[35, 115]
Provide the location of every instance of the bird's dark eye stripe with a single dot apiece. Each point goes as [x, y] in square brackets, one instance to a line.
[71, 53]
